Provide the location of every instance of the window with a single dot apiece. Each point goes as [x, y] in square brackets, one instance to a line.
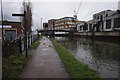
[10, 34]
[90, 26]
[85, 27]
[98, 17]
[108, 24]
[117, 23]
[106, 15]
[80, 28]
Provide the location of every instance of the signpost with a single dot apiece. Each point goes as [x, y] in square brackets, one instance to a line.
[25, 31]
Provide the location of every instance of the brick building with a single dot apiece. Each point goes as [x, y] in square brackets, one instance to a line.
[11, 29]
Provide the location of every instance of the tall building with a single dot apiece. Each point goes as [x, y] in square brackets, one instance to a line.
[51, 23]
[68, 23]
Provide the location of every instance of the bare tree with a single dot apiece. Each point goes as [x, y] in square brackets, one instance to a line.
[27, 8]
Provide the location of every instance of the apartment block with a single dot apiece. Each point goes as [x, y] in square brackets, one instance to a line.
[66, 23]
[51, 23]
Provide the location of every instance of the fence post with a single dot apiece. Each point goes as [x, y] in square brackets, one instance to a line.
[31, 40]
[28, 41]
[37, 34]
[20, 45]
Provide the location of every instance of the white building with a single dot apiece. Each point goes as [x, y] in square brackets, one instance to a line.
[100, 19]
[107, 20]
[80, 26]
[90, 25]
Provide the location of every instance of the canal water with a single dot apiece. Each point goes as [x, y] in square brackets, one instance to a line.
[102, 57]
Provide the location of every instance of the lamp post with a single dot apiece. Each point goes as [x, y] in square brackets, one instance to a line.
[24, 30]
[41, 24]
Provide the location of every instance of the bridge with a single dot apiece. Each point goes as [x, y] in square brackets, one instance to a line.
[65, 30]
[52, 32]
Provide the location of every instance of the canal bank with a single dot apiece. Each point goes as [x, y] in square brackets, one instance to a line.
[75, 68]
[108, 36]
[103, 57]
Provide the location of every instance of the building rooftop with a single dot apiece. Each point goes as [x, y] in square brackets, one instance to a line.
[104, 11]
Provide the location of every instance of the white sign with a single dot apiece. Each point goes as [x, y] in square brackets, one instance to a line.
[6, 26]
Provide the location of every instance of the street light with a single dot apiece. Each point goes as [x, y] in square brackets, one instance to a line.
[41, 24]
[24, 30]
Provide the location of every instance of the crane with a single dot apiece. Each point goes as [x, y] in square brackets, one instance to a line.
[76, 12]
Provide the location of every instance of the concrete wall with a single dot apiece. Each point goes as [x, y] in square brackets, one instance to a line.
[110, 33]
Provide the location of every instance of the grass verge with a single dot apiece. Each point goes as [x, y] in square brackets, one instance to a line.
[75, 68]
[34, 45]
[14, 64]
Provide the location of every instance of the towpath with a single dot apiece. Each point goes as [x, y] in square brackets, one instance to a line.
[45, 63]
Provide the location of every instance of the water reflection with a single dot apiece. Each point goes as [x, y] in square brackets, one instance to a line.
[100, 56]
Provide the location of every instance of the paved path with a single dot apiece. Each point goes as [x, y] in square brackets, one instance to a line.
[45, 63]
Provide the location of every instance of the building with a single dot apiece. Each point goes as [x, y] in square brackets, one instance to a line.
[100, 19]
[66, 23]
[112, 22]
[5, 27]
[106, 20]
[80, 26]
[45, 26]
[11, 30]
[90, 25]
[51, 23]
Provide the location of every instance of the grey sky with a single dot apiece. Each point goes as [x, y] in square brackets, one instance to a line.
[51, 10]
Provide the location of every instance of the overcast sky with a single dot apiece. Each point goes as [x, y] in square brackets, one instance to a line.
[57, 9]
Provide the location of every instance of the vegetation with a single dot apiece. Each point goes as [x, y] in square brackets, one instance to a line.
[27, 7]
[35, 45]
[7, 49]
[75, 68]
[14, 63]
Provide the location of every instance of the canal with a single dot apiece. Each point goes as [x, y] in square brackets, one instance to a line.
[102, 57]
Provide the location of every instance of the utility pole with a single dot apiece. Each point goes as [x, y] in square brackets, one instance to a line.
[2, 21]
[41, 24]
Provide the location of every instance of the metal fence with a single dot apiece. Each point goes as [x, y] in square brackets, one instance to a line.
[30, 40]
[18, 45]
